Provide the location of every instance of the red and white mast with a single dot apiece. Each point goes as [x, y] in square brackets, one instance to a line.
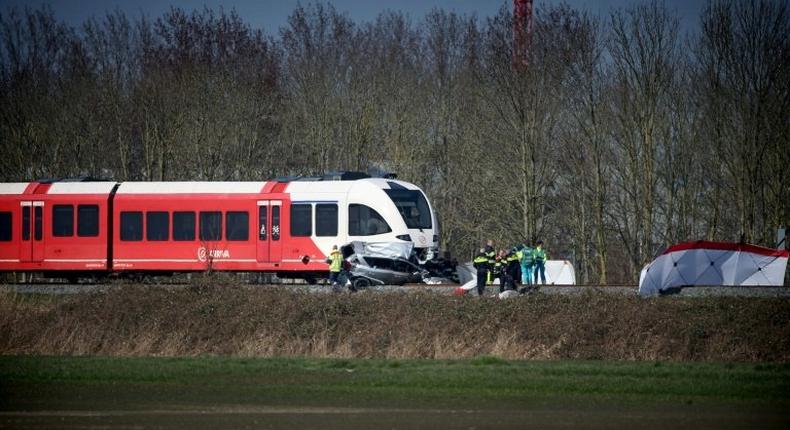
[522, 32]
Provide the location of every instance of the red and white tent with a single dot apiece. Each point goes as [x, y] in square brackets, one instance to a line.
[714, 263]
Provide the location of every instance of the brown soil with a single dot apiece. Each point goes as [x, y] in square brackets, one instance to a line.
[266, 322]
[567, 416]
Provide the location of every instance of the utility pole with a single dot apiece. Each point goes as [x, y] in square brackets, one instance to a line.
[522, 32]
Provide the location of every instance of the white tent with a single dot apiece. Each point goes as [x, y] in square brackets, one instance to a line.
[558, 272]
[713, 263]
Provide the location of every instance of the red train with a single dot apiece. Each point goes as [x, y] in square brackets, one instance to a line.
[286, 227]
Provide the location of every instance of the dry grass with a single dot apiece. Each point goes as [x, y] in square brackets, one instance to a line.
[267, 322]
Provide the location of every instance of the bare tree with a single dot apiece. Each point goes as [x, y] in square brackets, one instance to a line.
[644, 49]
[587, 148]
[743, 53]
[612, 142]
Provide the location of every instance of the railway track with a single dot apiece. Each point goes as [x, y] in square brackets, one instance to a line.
[447, 289]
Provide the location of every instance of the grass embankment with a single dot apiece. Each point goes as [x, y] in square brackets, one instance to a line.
[133, 382]
[270, 322]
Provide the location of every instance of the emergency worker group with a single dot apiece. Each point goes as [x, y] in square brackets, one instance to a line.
[522, 265]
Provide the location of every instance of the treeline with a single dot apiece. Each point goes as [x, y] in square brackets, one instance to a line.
[619, 136]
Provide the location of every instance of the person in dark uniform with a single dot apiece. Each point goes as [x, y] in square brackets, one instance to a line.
[513, 267]
[483, 269]
[500, 269]
[491, 254]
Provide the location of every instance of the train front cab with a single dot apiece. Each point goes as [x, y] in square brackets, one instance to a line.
[405, 214]
[367, 210]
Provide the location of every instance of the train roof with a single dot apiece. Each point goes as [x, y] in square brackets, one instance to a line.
[197, 187]
[38, 188]
[254, 187]
[81, 188]
[343, 186]
[13, 187]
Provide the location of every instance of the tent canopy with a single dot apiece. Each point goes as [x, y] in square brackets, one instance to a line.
[713, 263]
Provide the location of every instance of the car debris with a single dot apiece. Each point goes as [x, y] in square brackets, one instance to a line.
[394, 263]
[368, 270]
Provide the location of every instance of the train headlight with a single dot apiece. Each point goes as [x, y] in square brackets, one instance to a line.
[435, 238]
[405, 237]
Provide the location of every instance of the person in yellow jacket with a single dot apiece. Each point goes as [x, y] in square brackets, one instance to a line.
[335, 261]
[539, 258]
[512, 269]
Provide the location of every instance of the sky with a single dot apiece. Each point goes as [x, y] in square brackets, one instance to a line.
[271, 15]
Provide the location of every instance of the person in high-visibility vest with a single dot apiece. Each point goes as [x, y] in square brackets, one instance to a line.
[491, 254]
[526, 265]
[519, 250]
[483, 270]
[539, 258]
[512, 269]
[499, 269]
[335, 261]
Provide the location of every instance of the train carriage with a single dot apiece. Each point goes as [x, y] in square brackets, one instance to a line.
[286, 227]
[186, 226]
[61, 226]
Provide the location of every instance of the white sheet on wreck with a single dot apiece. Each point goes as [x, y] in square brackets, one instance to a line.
[383, 249]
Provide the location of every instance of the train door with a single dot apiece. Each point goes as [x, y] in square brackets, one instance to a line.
[32, 242]
[269, 243]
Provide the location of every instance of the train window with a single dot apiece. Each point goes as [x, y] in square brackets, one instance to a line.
[237, 226]
[63, 220]
[131, 226]
[5, 226]
[412, 206]
[157, 226]
[183, 226]
[26, 223]
[262, 222]
[275, 222]
[211, 226]
[87, 220]
[326, 220]
[301, 220]
[365, 221]
[38, 222]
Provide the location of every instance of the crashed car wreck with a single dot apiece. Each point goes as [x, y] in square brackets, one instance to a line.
[366, 271]
[383, 263]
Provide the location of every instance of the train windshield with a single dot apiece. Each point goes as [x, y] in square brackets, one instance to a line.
[412, 207]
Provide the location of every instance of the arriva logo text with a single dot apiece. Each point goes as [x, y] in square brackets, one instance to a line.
[203, 253]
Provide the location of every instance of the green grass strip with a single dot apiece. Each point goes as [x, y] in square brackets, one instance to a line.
[64, 382]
